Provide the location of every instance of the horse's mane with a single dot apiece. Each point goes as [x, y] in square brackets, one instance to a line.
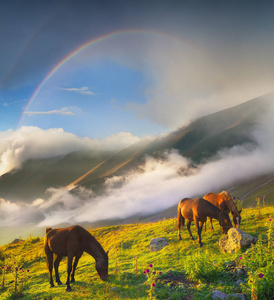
[229, 202]
[92, 239]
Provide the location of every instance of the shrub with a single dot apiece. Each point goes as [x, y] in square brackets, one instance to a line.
[202, 267]
[259, 262]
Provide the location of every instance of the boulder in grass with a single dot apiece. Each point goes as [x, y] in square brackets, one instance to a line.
[16, 241]
[220, 295]
[236, 297]
[236, 239]
[157, 244]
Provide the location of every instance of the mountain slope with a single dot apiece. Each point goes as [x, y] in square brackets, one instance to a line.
[35, 176]
[199, 141]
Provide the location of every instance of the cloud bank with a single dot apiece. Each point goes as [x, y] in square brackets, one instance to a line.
[155, 186]
[185, 78]
[32, 142]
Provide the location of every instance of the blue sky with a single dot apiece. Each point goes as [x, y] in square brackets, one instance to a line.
[89, 100]
[183, 59]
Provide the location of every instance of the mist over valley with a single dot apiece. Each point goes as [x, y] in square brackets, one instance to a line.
[68, 180]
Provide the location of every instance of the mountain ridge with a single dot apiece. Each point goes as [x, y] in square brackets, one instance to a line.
[199, 141]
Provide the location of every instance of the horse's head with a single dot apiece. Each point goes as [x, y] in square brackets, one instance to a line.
[226, 196]
[237, 219]
[225, 221]
[101, 266]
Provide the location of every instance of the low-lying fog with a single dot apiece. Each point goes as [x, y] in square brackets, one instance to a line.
[153, 187]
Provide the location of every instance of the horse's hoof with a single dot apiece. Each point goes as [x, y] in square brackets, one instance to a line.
[68, 289]
[52, 285]
[59, 282]
[201, 245]
[72, 280]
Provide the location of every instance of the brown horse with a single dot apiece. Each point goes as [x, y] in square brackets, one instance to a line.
[72, 242]
[225, 202]
[198, 210]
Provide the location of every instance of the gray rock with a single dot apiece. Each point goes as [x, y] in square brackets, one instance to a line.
[240, 271]
[235, 240]
[218, 295]
[220, 282]
[235, 296]
[239, 282]
[16, 241]
[157, 244]
[221, 295]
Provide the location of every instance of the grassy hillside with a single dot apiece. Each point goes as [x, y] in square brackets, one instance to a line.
[247, 191]
[187, 272]
[250, 190]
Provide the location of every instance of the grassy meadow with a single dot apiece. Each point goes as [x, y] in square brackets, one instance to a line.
[181, 270]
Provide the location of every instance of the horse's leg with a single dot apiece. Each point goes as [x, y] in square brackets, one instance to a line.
[74, 267]
[56, 266]
[199, 227]
[70, 258]
[188, 228]
[50, 264]
[205, 224]
[181, 222]
[210, 219]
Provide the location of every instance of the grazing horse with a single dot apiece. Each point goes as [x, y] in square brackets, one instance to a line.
[72, 242]
[225, 202]
[198, 210]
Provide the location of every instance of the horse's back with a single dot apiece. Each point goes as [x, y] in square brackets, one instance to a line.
[185, 202]
[198, 208]
[188, 207]
[214, 198]
[59, 240]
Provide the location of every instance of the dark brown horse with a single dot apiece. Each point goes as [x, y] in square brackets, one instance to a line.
[225, 202]
[198, 210]
[72, 242]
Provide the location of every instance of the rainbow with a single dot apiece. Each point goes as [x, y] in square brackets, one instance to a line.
[77, 50]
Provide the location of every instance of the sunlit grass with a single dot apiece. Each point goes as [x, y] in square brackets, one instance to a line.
[129, 256]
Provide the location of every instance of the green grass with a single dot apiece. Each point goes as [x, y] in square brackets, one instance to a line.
[188, 272]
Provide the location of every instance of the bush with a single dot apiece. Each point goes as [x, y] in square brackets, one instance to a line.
[202, 267]
[259, 262]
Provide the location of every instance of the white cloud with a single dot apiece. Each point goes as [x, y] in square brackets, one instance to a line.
[64, 112]
[162, 183]
[33, 142]
[83, 91]
[155, 186]
[185, 80]
[189, 84]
